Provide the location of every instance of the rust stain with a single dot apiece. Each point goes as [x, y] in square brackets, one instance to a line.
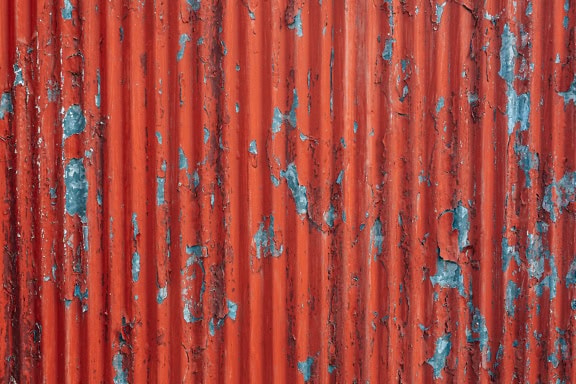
[287, 191]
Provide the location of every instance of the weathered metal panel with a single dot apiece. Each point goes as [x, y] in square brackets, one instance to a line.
[287, 191]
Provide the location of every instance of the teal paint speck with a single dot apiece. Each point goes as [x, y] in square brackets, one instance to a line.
[376, 238]
[388, 46]
[448, 275]
[232, 309]
[512, 293]
[182, 160]
[277, 120]
[251, 14]
[76, 188]
[135, 266]
[160, 191]
[237, 107]
[340, 177]
[206, 135]
[159, 137]
[355, 127]
[121, 375]
[18, 80]
[252, 148]
[298, 191]
[237, 67]
[329, 216]
[74, 122]
[265, 241]
[441, 352]
[440, 104]
[529, 9]
[6, 105]
[305, 368]
[297, 23]
[331, 369]
[565, 22]
[571, 275]
[162, 294]
[97, 97]
[439, 12]
[194, 4]
[200, 41]
[570, 94]
[564, 191]
[275, 180]
[67, 10]
[508, 253]
[184, 38]
[135, 229]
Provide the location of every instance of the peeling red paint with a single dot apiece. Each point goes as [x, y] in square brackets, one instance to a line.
[287, 191]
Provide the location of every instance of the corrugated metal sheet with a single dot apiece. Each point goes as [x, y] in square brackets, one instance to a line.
[287, 191]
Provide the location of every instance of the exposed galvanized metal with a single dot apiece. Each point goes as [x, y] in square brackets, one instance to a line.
[287, 191]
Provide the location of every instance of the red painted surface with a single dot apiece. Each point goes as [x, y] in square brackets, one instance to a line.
[207, 191]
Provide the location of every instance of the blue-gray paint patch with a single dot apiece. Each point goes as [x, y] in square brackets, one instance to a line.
[479, 329]
[277, 121]
[565, 192]
[441, 352]
[292, 114]
[160, 191]
[237, 107]
[18, 79]
[329, 216]
[275, 180]
[121, 375]
[448, 275]
[517, 109]
[76, 188]
[74, 122]
[376, 238]
[355, 127]
[159, 137]
[182, 159]
[184, 38]
[135, 266]
[162, 294]
[232, 309]
[388, 47]
[85, 237]
[206, 135]
[252, 148]
[6, 105]
[440, 104]
[194, 4]
[305, 368]
[550, 281]
[535, 252]
[508, 54]
[135, 229]
[298, 191]
[97, 97]
[527, 161]
[79, 294]
[297, 23]
[331, 368]
[340, 177]
[529, 9]
[265, 242]
[67, 10]
[570, 94]
[571, 275]
[512, 293]
[508, 253]
[561, 349]
[439, 12]
[461, 223]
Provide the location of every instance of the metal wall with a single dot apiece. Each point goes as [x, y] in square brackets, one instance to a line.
[287, 191]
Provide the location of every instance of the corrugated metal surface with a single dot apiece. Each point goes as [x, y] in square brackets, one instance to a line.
[287, 191]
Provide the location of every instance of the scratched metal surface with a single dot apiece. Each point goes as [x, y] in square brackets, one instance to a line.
[287, 191]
